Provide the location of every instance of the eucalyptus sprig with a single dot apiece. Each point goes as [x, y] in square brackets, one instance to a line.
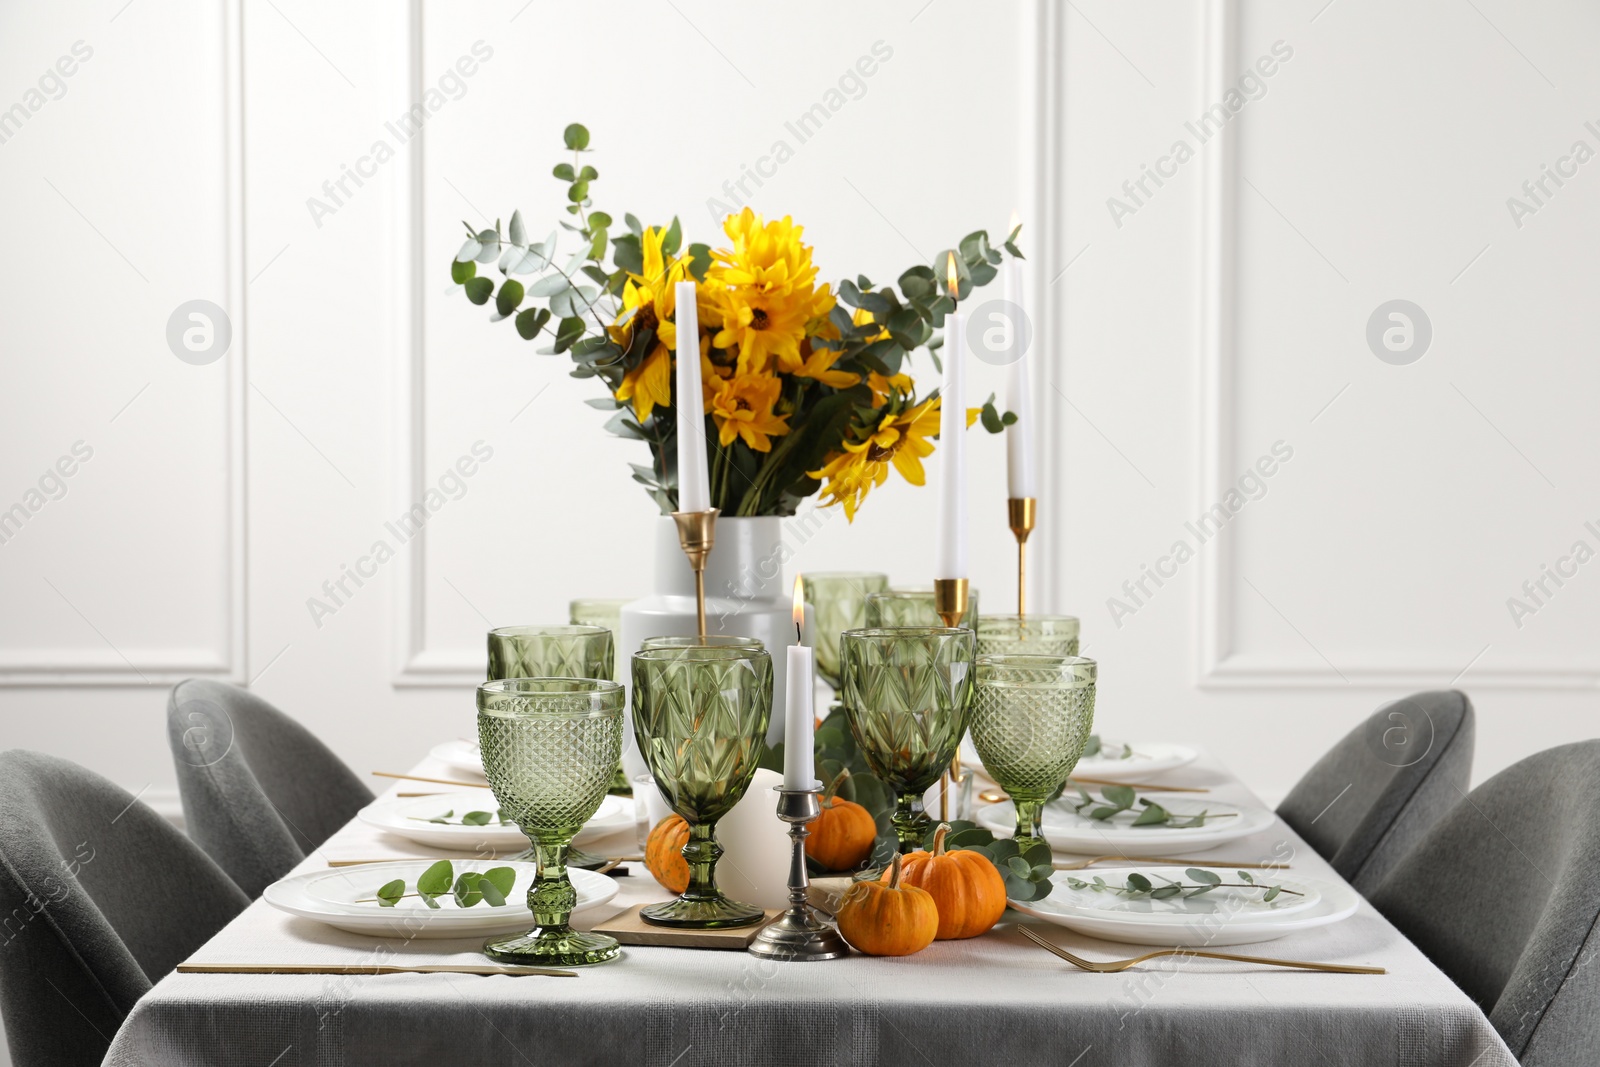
[471, 818]
[1097, 747]
[1116, 799]
[472, 887]
[1140, 885]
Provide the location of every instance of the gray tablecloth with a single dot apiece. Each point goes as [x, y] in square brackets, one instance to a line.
[991, 999]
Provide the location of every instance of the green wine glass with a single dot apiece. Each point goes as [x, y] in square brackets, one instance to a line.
[551, 652]
[1031, 717]
[556, 652]
[906, 692]
[605, 612]
[838, 602]
[700, 716]
[549, 747]
[914, 607]
[1028, 635]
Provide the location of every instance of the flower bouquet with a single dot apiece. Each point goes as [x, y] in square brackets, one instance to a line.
[806, 387]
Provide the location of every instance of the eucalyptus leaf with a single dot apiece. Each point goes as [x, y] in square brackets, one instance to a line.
[476, 818]
[1199, 875]
[487, 890]
[509, 297]
[461, 271]
[530, 321]
[467, 892]
[576, 137]
[1139, 882]
[436, 880]
[389, 893]
[479, 290]
[515, 232]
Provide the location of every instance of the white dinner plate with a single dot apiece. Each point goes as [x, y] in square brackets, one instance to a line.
[463, 756]
[1221, 917]
[408, 817]
[330, 897]
[1068, 831]
[1149, 758]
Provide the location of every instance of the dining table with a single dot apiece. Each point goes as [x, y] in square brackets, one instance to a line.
[993, 999]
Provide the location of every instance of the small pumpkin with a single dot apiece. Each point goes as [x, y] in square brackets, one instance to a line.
[663, 853]
[888, 918]
[966, 888]
[843, 833]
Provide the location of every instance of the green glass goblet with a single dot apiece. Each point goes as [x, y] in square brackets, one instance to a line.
[1028, 635]
[601, 611]
[555, 652]
[549, 747]
[1031, 717]
[914, 607]
[700, 715]
[906, 692]
[550, 652]
[703, 641]
[838, 602]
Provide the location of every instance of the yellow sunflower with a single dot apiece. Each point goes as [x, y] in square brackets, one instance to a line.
[900, 440]
[742, 407]
[765, 294]
[817, 364]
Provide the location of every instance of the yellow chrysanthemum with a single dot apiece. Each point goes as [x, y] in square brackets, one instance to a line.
[765, 294]
[885, 387]
[817, 364]
[900, 441]
[742, 407]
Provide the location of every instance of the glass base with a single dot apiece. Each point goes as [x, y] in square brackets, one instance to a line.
[704, 913]
[552, 946]
[576, 857]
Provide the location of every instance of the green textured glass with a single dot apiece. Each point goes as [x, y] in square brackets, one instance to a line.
[550, 652]
[914, 607]
[1031, 716]
[700, 716]
[555, 652]
[906, 692]
[549, 747]
[703, 641]
[838, 603]
[605, 612]
[1028, 635]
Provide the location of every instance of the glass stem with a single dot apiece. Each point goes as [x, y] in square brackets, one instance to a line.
[701, 853]
[1030, 819]
[551, 898]
[910, 822]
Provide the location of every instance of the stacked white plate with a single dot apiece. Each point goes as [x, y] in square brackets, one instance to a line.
[409, 817]
[1227, 916]
[1068, 831]
[463, 756]
[344, 898]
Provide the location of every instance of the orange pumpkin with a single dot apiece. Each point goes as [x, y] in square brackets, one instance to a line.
[663, 853]
[967, 890]
[841, 837]
[888, 918]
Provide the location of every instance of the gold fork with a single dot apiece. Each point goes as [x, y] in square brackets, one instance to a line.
[1065, 865]
[1113, 966]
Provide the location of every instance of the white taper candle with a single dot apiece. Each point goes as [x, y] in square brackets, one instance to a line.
[694, 483]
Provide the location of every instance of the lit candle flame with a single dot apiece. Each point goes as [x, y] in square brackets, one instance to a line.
[1016, 220]
[952, 275]
[799, 607]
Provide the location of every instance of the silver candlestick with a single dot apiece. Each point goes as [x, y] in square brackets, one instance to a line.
[798, 934]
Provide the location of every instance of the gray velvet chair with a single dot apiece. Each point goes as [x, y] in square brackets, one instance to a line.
[1504, 895]
[259, 791]
[99, 898]
[1374, 794]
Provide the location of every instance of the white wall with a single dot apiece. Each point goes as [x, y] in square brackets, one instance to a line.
[1177, 342]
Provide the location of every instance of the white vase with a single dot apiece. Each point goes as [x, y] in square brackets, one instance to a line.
[746, 596]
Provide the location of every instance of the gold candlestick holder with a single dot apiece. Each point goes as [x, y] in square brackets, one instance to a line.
[697, 533]
[950, 600]
[1020, 512]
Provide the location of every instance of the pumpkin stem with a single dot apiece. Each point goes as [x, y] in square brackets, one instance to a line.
[894, 872]
[833, 786]
[938, 839]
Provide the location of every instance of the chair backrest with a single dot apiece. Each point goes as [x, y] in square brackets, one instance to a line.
[1374, 794]
[99, 898]
[259, 790]
[1504, 895]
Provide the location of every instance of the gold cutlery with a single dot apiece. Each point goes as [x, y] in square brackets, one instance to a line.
[367, 969]
[995, 796]
[435, 781]
[1068, 865]
[1114, 966]
[465, 858]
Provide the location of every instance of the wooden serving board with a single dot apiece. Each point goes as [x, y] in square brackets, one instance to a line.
[630, 929]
